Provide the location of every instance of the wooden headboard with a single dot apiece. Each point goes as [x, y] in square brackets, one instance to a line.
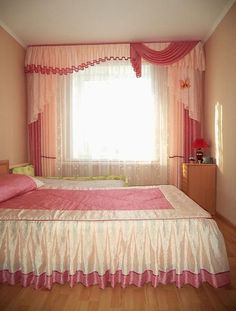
[4, 167]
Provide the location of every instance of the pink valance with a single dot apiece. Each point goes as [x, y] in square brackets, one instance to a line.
[171, 54]
[64, 60]
[68, 59]
[46, 66]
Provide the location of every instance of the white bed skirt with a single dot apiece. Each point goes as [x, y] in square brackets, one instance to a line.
[180, 251]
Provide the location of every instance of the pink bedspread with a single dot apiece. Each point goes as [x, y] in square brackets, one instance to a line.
[112, 199]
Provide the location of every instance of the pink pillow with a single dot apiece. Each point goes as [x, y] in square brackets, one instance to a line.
[12, 185]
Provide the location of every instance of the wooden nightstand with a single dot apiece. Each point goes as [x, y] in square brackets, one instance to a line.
[199, 183]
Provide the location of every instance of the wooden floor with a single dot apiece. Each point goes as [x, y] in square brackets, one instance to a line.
[165, 297]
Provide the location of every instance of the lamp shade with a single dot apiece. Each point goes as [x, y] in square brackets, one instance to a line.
[200, 143]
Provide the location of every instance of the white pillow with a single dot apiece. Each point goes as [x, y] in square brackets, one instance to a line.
[38, 182]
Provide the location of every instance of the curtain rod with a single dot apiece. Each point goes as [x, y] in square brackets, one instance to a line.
[103, 43]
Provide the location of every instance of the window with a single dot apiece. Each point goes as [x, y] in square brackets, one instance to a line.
[113, 114]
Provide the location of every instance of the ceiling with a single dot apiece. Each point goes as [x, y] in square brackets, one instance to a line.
[34, 22]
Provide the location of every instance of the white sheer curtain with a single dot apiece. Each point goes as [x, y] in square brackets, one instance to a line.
[111, 123]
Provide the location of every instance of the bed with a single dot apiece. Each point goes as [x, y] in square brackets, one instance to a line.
[70, 182]
[106, 236]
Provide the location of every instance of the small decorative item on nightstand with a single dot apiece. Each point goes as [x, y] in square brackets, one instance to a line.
[207, 160]
[199, 143]
[191, 159]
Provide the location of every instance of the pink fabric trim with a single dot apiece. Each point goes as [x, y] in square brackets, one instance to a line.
[109, 279]
[119, 199]
[35, 145]
[32, 68]
[171, 54]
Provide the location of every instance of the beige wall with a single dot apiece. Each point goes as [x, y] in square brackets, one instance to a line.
[13, 128]
[220, 110]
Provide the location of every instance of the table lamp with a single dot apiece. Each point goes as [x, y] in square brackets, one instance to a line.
[199, 143]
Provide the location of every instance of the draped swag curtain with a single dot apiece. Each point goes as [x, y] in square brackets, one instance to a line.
[177, 83]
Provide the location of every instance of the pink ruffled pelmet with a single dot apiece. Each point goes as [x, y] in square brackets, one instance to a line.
[110, 279]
